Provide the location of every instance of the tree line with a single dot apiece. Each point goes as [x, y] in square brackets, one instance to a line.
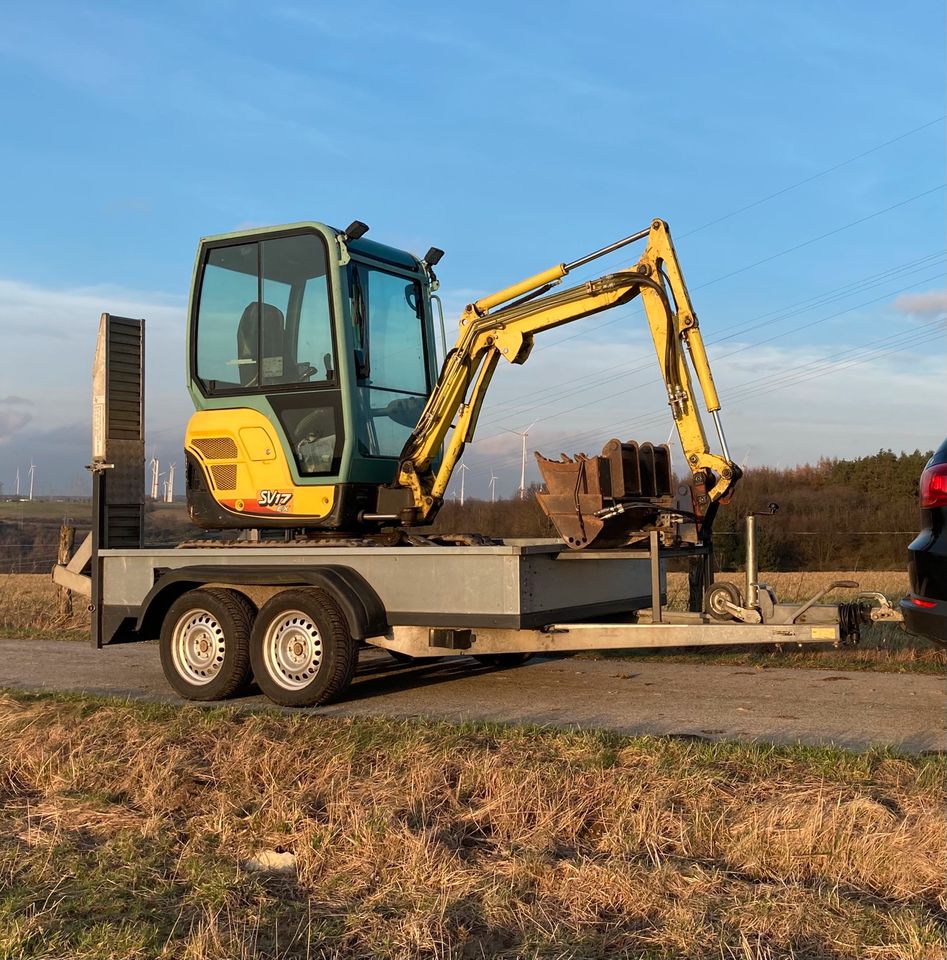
[833, 515]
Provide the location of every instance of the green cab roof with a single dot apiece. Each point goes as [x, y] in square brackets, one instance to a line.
[361, 247]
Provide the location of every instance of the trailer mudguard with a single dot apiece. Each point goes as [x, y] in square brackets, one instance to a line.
[363, 610]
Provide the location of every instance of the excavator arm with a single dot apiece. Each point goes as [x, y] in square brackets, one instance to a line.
[487, 334]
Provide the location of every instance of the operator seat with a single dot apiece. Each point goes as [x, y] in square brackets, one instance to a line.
[273, 361]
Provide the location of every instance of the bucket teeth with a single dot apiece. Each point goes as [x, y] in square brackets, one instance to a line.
[608, 500]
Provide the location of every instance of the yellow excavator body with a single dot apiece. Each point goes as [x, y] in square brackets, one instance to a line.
[248, 472]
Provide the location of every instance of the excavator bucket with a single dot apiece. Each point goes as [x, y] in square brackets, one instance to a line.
[610, 500]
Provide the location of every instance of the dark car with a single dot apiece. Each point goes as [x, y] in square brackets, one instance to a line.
[925, 608]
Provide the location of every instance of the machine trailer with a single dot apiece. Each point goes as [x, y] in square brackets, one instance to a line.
[315, 481]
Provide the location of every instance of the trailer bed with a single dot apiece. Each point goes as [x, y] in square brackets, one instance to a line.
[513, 585]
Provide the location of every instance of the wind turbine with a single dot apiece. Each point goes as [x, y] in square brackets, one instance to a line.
[154, 477]
[524, 434]
[32, 474]
[493, 486]
[18, 483]
[169, 486]
[463, 470]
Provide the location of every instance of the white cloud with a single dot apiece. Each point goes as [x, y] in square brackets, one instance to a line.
[781, 405]
[582, 386]
[33, 311]
[926, 304]
[49, 340]
[12, 420]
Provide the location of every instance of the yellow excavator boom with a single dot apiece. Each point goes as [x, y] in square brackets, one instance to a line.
[508, 332]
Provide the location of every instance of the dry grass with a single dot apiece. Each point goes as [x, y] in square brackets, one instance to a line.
[127, 831]
[29, 607]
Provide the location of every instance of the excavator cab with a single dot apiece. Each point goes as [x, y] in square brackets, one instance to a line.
[311, 354]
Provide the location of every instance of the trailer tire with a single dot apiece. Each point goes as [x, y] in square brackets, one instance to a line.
[301, 649]
[205, 643]
[502, 660]
[714, 597]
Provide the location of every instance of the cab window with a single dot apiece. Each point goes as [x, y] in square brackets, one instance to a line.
[264, 318]
[230, 282]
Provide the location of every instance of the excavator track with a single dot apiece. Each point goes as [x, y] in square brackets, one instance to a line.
[394, 538]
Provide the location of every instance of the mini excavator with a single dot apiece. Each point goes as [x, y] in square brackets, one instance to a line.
[321, 409]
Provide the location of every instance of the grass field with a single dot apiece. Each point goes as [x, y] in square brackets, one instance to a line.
[28, 607]
[45, 510]
[130, 831]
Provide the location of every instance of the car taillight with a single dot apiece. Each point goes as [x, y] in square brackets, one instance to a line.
[934, 486]
[925, 604]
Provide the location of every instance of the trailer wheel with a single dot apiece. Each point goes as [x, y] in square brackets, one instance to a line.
[301, 649]
[205, 643]
[502, 660]
[716, 595]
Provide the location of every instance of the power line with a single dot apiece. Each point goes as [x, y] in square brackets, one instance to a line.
[800, 373]
[756, 203]
[653, 380]
[822, 236]
[839, 293]
[765, 199]
[799, 183]
[816, 176]
[781, 253]
[831, 316]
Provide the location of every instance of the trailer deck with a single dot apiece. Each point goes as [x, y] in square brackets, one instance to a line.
[512, 585]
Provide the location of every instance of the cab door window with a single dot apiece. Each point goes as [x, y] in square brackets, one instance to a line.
[314, 333]
[388, 318]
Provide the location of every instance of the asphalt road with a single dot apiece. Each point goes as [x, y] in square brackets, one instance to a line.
[846, 708]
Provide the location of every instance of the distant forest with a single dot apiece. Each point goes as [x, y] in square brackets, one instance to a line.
[836, 515]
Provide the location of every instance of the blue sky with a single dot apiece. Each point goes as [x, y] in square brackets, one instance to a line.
[513, 138]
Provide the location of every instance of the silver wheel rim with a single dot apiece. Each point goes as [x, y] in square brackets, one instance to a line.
[197, 647]
[717, 599]
[292, 650]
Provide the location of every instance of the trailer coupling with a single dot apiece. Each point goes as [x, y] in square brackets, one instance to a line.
[725, 602]
[864, 610]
